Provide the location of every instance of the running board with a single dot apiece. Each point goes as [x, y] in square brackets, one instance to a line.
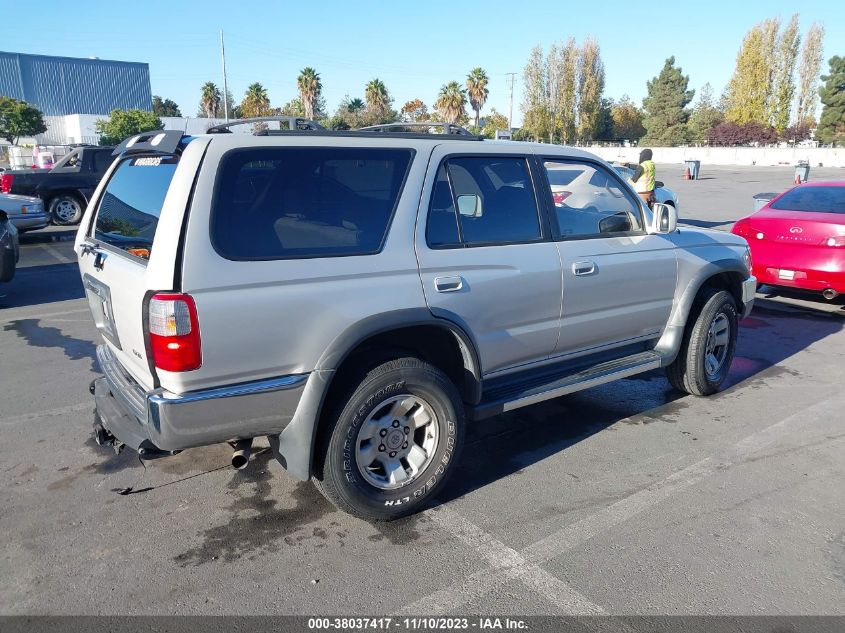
[523, 395]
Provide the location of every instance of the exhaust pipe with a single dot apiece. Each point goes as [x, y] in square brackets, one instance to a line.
[242, 448]
[830, 294]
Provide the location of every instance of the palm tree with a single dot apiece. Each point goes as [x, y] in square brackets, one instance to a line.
[256, 102]
[378, 99]
[477, 91]
[451, 101]
[310, 87]
[210, 99]
[355, 105]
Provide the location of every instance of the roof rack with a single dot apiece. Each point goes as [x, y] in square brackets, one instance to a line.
[294, 124]
[448, 128]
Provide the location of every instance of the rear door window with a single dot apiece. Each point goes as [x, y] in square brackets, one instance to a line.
[300, 202]
[131, 203]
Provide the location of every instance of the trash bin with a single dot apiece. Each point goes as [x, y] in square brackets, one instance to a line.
[762, 199]
[694, 166]
[802, 171]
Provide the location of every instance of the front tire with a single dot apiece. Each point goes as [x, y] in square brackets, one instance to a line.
[708, 345]
[66, 209]
[394, 442]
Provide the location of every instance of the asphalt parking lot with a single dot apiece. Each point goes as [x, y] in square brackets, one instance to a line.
[629, 498]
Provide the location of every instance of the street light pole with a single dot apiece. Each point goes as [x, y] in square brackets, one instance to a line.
[510, 107]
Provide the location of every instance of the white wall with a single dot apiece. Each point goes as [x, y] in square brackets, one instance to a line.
[826, 156]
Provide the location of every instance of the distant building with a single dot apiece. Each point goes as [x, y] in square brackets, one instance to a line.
[68, 85]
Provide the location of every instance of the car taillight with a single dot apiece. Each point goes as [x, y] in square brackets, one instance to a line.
[174, 332]
[836, 240]
[6, 183]
[560, 196]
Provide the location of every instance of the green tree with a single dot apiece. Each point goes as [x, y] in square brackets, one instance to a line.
[210, 100]
[476, 90]
[18, 118]
[122, 124]
[293, 107]
[256, 102]
[705, 115]
[590, 90]
[783, 89]
[832, 120]
[309, 85]
[537, 117]
[749, 93]
[627, 120]
[451, 101]
[379, 103]
[165, 107]
[665, 107]
[808, 74]
[492, 122]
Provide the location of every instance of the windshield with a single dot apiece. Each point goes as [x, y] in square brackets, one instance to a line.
[814, 199]
[623, 171]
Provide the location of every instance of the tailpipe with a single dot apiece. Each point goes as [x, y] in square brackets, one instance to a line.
[830, 294]
[240, 458]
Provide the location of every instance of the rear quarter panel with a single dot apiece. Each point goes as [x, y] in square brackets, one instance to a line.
[261, 319]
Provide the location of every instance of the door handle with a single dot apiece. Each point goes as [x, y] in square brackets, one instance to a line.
[448, 284]
[584, 268]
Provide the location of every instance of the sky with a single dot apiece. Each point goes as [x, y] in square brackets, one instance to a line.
[414, 48]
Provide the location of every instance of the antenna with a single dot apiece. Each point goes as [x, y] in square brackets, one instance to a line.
[225, 84]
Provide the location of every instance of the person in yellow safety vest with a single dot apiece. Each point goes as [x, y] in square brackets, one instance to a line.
[644, 177]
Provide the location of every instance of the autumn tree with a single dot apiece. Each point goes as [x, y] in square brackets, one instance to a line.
[590, 90]
[379, 103]
[783, 88]
[256, 102]
[414, 111]
[705, 115]
[494, 121]
[808, 74]
[562, 82]
[626, 119]
[832, 120]
[665, 107]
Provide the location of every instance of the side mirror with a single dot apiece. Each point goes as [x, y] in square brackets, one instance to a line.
[664, 218]
[615, 224]
[658, 183]
[469, 205]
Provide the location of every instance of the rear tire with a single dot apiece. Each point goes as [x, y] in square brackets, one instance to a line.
[66, 209]
[708, 346]
[393, 442]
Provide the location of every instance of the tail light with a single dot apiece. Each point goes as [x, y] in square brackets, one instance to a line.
[6, 183]
[174, 332]
[836, 240]
[560, 196]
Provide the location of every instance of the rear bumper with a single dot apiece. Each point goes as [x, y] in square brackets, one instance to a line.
[30, 221]
[804, 278]
[162, 421]
[749, 289]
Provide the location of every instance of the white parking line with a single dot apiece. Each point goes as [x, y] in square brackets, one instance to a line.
[507, 564]
[56, 254]
[50, 413]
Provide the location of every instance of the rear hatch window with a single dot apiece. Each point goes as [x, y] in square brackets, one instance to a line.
[813, 199]
[298, 202]
[131, 204]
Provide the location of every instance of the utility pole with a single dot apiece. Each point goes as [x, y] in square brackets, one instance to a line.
[225, 84]
[510, 107]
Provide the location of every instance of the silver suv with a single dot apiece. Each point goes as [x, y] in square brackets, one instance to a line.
[359, 297]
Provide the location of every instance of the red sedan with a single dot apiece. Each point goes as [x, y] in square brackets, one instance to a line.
[798, 239]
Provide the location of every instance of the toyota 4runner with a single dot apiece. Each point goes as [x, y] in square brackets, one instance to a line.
[359, 297]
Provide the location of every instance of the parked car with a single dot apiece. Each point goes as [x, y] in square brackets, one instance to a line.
[357, 297]
[798, 239]
[662, 193]
[26, 213]
[9, 248]
[66, 188]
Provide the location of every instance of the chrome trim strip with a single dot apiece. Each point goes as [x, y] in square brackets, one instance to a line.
[243, 389]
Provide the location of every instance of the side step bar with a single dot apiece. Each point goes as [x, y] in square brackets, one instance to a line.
[504, 399]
